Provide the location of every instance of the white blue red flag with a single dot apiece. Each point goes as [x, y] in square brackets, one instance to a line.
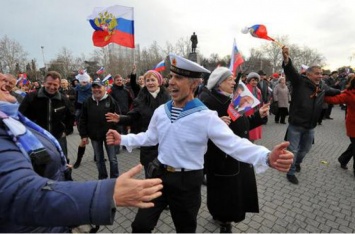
[236, 59]
[100, 71]
[114, 24]
[108, 79]
[160, 66]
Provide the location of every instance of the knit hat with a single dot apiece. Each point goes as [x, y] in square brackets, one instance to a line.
[253, 75]
[156, 74]
[217, 77]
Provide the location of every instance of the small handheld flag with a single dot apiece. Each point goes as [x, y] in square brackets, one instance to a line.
[108, 79]
[260, 31]
[100, 71]
[236, 59]
[160, 66]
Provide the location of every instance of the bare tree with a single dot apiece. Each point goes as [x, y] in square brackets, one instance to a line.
[65, 63]
[269, 58]
[12, 53]
[272, 52]
[305, 56]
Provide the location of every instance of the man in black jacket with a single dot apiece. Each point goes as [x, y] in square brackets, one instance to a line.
[331, 81]
[307, 98]
[50, 109]
[93, 125]
[122, 96]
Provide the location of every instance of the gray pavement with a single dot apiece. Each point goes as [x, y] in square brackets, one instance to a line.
[324, 200]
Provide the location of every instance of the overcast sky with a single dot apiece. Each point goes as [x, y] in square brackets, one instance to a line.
[323, 25]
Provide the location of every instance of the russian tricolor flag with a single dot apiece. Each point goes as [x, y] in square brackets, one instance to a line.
[108, 79]
[100, 71]
[236, 59]
[259, 31]
[160, 66]
[114, 24]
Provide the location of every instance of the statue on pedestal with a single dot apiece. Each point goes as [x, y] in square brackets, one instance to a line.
[194, 42]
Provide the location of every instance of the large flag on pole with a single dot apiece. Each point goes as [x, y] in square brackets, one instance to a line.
[114, 24]
[236, 59]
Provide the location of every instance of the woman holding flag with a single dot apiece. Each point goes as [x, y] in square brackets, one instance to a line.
[231, 184]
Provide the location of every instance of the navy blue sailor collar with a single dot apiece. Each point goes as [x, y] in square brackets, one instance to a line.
[191, 107]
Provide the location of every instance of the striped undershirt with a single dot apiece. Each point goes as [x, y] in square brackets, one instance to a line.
[175, 112]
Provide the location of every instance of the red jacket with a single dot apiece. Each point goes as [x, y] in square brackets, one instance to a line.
[347, 97]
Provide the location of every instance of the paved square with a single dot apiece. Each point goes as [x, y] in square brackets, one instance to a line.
[324, 200]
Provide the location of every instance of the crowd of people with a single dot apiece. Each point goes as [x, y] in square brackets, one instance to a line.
[162, 116]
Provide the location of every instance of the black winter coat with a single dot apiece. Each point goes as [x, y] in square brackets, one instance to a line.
[53, 113]
[72, 95]
[306, 98]
[93, 122]
[231, 185]
[122, 97]
[143, 108]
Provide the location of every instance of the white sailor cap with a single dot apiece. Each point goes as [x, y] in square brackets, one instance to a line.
[185, 67]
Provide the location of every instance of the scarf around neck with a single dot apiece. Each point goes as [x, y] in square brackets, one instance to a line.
[15, 124]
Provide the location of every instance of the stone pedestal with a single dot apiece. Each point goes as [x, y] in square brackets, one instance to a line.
[193, 57]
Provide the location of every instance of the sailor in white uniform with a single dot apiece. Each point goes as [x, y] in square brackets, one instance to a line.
[182, 128]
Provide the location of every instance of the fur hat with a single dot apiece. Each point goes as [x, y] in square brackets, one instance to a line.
[217, 77]
[253, 75]
[156, 74]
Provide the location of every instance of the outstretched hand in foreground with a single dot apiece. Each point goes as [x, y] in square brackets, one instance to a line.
[136, 192]
[280, 158]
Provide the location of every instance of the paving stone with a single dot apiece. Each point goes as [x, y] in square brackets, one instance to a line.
[323, 201]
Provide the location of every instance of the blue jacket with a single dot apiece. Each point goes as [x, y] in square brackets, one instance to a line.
[30, 203]
[83, 93]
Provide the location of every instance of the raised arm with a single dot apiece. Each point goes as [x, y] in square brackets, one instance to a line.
[291, 73]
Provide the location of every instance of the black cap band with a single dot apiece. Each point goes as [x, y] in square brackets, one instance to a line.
[185, 73]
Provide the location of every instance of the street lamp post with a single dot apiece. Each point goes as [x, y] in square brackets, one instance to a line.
[44, 61]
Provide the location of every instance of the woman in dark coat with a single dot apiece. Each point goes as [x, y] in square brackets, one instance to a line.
[231, 185]
[150, 97]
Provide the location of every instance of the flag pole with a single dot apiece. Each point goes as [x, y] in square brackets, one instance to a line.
[278, 43]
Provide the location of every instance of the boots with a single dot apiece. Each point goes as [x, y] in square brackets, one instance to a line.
[225, 228]
[81, 151]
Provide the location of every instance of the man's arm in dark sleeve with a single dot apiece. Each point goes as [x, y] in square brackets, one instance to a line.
[25, 106]
[291, 73]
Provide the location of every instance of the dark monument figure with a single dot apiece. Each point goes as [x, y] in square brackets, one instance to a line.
[194, 42]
